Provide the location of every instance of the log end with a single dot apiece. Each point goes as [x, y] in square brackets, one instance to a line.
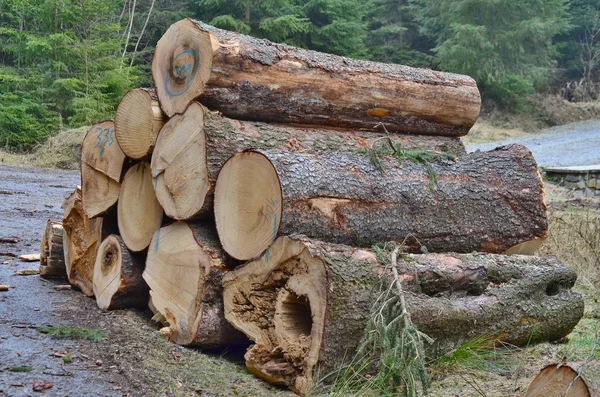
[99, 192]
[107, 272]
[557, 380]
[137, 123]
[101, 151]
[248, 205]
[181, 65]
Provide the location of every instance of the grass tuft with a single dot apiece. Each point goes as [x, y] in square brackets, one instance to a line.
[69, 332]
[21, 368]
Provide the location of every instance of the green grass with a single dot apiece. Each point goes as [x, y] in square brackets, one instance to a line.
[69, 332]
[67, 358]
[479, 354]
[21, 368]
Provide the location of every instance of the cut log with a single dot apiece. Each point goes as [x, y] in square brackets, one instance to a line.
[179, 164]
[526, 248]
[81, 238]
[488, 201]
[138, 121]
[52, 256]
[102, 163]
[254, 79]
[184, 269]
[306, 304]
[567, 380]
[139, 212]
[118, 282]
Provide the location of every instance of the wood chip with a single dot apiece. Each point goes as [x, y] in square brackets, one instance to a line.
[4, 287]
[65, 287]
[9, 240]
[42, 385]
[27, 272]
[30, 258]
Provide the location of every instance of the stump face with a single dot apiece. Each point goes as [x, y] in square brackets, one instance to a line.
[139, 212]
[179, 72]
[557, 381]
[248, 205]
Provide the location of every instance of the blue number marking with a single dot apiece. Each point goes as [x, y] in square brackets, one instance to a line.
[105, 139]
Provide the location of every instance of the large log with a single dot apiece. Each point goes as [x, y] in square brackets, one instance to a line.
[139, 212]
[81, 239]
[487, 201]
[102, 162]
[192, 148]
[254, 79]
[52, 256]
[138, 121]
[580, 379]
[306, 304]
[118, 282]
[184, 269]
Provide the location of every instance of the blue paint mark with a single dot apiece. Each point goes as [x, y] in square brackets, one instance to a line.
[103, 140]
[274, 226]
[183, 72]
[267, 254]
[157, 240]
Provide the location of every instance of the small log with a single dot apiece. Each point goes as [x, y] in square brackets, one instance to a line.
[4, 287]
[118, 282]
[179, 164]
[254, 79]
[139, 212]
[138, 121]
[305, 304]
[81, 238]
[52, 255]
[567, 380]
[102, 162]
[30, 257]
[487, 201]
[184, 269]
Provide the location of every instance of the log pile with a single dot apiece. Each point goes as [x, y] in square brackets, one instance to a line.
[240, 197]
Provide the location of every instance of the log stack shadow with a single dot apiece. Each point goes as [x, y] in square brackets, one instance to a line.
[241, 197]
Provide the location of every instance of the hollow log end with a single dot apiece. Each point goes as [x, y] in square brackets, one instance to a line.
[107, 271]
[248, 205]
[292, 287]
[179, 164]
[137, 123]
[181, 65]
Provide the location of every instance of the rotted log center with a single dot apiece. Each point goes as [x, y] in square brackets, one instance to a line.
[109, 260]
[295, 317]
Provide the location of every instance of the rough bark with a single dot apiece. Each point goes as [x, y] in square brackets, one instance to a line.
[102, 163]
[487, 201]
[118, 282]
[254, 79]
[184, 269]
[306, 304]
[52, 256]
[139, 212]
[138, 121]
[81, 239]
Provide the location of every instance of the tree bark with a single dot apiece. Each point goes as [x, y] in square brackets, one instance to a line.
[139, 212]
[305, 304]
[102, 162]
[138, 121]
[487, 201]
[52, 256]
[184, 269]
[81, 239]
[118, 282]
[254, 79]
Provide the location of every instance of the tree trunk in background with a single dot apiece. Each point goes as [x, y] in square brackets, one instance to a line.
[118, 282]
[102, 162]
[485, 202]
[138, 121]
[306, 304]
[139, 212]
[184, 269]
[52, 256]
[254, 79]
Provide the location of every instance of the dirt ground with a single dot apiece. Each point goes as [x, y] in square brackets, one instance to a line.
[133, 359]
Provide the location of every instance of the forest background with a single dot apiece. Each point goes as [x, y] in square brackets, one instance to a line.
[66, 63]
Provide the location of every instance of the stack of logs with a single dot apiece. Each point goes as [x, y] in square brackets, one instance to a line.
[255, 219]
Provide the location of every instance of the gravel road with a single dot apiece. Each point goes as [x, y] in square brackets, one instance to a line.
[566, 145]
